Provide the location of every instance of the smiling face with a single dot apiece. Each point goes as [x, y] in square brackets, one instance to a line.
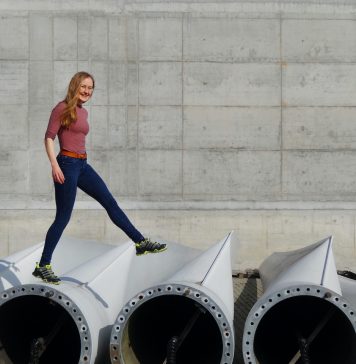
[85, 90]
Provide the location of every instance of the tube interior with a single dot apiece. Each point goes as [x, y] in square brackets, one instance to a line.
[26, 319]
[276, 338]
[155, 322]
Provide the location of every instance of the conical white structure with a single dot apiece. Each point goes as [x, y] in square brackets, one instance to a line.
[71, 322]
[191, 312]
[302, 316]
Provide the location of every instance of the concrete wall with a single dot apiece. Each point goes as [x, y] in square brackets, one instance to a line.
[206, 117]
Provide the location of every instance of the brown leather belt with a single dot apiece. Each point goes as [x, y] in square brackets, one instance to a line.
[73, 154]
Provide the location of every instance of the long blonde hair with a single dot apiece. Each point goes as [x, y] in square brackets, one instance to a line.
[69, 113]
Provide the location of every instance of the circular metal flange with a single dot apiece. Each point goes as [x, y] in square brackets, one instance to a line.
[226, 331]
[64, 301]
[263, 306]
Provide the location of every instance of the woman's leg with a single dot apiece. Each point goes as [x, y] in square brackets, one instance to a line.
[92, 184]
[65, 197]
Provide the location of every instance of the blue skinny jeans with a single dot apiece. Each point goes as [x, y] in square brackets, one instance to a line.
[78, 173]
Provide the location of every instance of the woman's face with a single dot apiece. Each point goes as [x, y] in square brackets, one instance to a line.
[85, 90]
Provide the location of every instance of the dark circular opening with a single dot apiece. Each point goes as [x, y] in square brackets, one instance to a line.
[153, 324]
[282, 330]
[30, 322]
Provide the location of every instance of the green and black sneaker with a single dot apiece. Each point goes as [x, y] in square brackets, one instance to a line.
[147, 246]
[46, 274]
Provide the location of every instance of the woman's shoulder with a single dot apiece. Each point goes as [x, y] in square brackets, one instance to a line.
[60, 106]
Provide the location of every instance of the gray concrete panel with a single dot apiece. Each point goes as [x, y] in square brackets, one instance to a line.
[241, 175]
[132, 127]
[232, 84]
[4, 247]
[99, 38]
[319, 84]
[117, 83]
[99, 160]
[160, 173]
[231, 40]
[132, 43]
[160, 83]
[41, 182]
[100, 70]
[99, 127]
[41, 37]
[232, 127]
[259, 232]
[160, 127]
[117, 127]
[65, 38]
[83, 66]
[319, 175]
[14, 172]
[318, 40]
[117, 38]
[14, 37]
[41, 82]
[37, 124]
[327, 128]
[63, 71]
[83, 37]
[14, 130]
[160, 39]
[13, 82]
[132, 89]
[123, 180]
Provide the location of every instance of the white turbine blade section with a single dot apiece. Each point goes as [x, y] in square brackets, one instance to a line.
[197, 270]
[71, 253]
[17, 268]
[314, 264]
[106, 275]
[219, 277]
[302, 310]
[279, 262]
[195, 303]
[93, 268]
[18, 257]
[208, 269]
[348, 288]
[151, 269]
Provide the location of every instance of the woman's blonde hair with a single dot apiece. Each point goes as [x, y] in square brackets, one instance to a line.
[69, 114]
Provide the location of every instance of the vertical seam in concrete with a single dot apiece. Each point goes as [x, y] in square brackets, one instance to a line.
[90, 22]
[109, 157]
[126, 68]
[182, 110]
[53, 60]
[77, 18]
[138, 104]
[108, 101]
[28, 103]
[281, 107]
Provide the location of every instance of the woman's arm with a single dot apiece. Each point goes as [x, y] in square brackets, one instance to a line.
[57, 173]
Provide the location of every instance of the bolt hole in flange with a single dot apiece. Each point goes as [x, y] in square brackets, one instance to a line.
[276, 337]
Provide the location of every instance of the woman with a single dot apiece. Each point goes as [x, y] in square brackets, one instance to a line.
[71, 170]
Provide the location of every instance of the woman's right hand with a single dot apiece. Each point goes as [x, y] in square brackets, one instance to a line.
[57, 174]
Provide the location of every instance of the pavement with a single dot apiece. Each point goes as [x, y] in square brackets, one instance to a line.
[246, 293]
